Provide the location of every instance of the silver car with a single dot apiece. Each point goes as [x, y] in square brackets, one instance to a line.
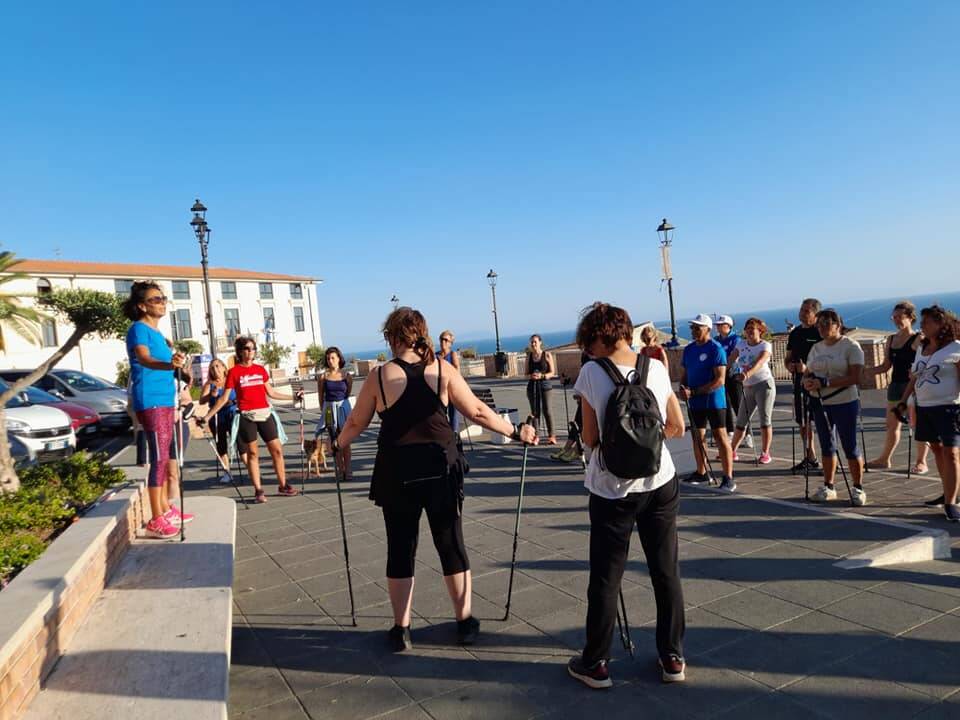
[108, 400]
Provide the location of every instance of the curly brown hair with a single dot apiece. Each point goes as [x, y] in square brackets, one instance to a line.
[949, 324]
[406, 327]
[761, 325]
[606, 323]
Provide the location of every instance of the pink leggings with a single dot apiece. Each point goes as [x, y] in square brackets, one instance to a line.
[157, 425]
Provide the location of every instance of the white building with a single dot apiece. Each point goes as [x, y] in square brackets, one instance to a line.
[282, 308]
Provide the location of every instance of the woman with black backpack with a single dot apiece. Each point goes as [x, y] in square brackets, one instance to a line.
[419, 466]
[632, 482]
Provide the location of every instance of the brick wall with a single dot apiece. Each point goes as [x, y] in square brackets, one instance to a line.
[41, 641]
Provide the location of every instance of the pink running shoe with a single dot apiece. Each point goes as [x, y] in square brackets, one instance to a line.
[178, 518]
[161, 528]
[765, 459]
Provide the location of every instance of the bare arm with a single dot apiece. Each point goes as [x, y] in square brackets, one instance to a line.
[218, 405]
[732, 358]
[477, 412]
[675, 425]
[550, 366]
[363, 411]
[206, 392]
[148, 361]
[590, 433]
[887, 360]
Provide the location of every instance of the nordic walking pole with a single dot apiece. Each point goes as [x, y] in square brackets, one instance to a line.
[701, 444]
[178, 449]
[805, 416]
[343, 523]
[863, 440]
[909, 450]
[625, 626]
[226, 472]
[303, 469]
[516, 525]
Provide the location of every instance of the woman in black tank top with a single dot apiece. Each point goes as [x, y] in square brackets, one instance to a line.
[901, 348]
[540, 369]
[419, 466]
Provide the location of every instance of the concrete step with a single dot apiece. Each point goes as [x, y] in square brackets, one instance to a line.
[156, 644]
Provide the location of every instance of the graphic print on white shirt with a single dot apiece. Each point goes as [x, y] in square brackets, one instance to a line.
[936, 376]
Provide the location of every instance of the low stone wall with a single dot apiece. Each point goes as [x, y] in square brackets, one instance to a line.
[42, 609]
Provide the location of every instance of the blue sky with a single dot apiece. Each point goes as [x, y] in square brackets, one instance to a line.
[805, 148]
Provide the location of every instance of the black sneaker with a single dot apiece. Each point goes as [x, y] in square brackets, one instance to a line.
[467, 630]
[811, 464]
[952, 512]
[696, 478]
[727, 484]
[597, 677]
[399, 639]
[936, 502]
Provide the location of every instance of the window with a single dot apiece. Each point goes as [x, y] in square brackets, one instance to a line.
[298, 324]
[44, 287]
[231, 318]
[266, 291]
[48, 330]
[296, 291]
[180, 323]
[181, 290]
[269, 322]
[122, 287]
[228, 290]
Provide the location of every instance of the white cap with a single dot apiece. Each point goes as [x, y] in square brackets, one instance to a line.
[724, 320]
[702, 319]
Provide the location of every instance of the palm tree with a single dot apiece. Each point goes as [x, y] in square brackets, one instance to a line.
[24, 321]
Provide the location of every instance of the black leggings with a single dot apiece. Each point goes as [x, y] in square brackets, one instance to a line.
[542, 403]
[402, 522]
[734, 390]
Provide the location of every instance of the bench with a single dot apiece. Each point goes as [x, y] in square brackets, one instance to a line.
[156, 643]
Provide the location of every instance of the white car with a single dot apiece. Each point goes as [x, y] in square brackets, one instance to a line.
[45, 431]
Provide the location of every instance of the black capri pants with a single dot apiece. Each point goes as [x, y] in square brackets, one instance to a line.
[402, 522]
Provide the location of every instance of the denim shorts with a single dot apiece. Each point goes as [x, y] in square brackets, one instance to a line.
[939, 424]
[844, 418]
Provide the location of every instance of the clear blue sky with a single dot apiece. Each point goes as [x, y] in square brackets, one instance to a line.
[799, 148]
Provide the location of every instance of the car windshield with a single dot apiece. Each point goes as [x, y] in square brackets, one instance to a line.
[82, 382]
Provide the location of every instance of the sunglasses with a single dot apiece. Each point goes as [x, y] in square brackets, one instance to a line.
[446, 339]
[156, 300]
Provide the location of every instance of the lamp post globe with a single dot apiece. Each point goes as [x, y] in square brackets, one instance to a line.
[396, 301]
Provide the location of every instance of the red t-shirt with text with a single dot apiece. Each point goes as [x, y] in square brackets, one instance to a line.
[251, 386]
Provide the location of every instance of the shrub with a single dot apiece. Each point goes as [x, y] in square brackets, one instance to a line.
[16, 552]
[469, 353]
[273, 353]
[188, 347]
[382, 357]
[314, 354]
[123, 373]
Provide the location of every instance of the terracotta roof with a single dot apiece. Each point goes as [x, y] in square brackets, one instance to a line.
[144, 271]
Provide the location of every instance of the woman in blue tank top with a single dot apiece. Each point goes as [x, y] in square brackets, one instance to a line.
[334, 386]
[453, 357]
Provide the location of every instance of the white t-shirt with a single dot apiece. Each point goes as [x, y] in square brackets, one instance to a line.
[834, 361]
[594, 385]
[937, 376]
[747, 355]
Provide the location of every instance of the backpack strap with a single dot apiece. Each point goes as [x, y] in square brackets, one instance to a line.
[613, 372]
[643, 368]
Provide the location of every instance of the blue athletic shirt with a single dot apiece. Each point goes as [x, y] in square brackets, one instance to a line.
[149, 388]
[728, 343]
[700, 362]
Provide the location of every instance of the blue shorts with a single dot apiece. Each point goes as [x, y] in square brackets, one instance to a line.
[939, 424]
[844, 418]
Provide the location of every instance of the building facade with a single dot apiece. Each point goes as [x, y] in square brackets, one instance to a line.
[268, 306]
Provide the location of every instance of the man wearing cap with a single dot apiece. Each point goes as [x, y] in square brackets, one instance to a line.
[734, 387]
[702, 386]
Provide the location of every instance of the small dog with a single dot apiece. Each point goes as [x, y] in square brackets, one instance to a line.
[316, 454]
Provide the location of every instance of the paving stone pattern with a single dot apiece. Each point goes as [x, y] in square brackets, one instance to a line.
[774, 629]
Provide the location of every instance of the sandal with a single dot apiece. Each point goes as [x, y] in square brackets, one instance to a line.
[287, 491]
[259, 497]
[919, 469]
[877, 465]
[552, 440]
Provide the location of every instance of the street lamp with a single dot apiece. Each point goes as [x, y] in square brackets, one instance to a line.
[202, 231]
[665, 230]
[395, 300]
[500, 359]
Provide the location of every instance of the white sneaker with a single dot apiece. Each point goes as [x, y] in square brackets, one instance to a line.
[824, 494]
[748, 441]
[859, 496]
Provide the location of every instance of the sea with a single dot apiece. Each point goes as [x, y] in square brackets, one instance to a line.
[872, 314]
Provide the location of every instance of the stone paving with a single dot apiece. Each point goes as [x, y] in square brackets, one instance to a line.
[774, 627]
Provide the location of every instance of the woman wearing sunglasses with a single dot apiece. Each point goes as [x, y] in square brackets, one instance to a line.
[453, 357]
[153, 394]
[256, 416]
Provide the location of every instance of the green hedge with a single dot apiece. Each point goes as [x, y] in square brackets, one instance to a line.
[49, 498]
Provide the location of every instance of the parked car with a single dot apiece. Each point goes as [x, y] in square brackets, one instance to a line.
[20, 453]
[44, 430]
[108, 400]
[84, 421]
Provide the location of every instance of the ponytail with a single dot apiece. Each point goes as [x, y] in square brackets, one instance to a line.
[423, 346]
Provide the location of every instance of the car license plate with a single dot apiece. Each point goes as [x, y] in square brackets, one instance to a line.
[55, 445]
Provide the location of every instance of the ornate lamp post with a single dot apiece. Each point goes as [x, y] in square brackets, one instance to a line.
[665, 230]
[500, 359]
[396, 301]
[202, 231]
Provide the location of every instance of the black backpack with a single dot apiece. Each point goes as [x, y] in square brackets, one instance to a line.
[632, 433]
